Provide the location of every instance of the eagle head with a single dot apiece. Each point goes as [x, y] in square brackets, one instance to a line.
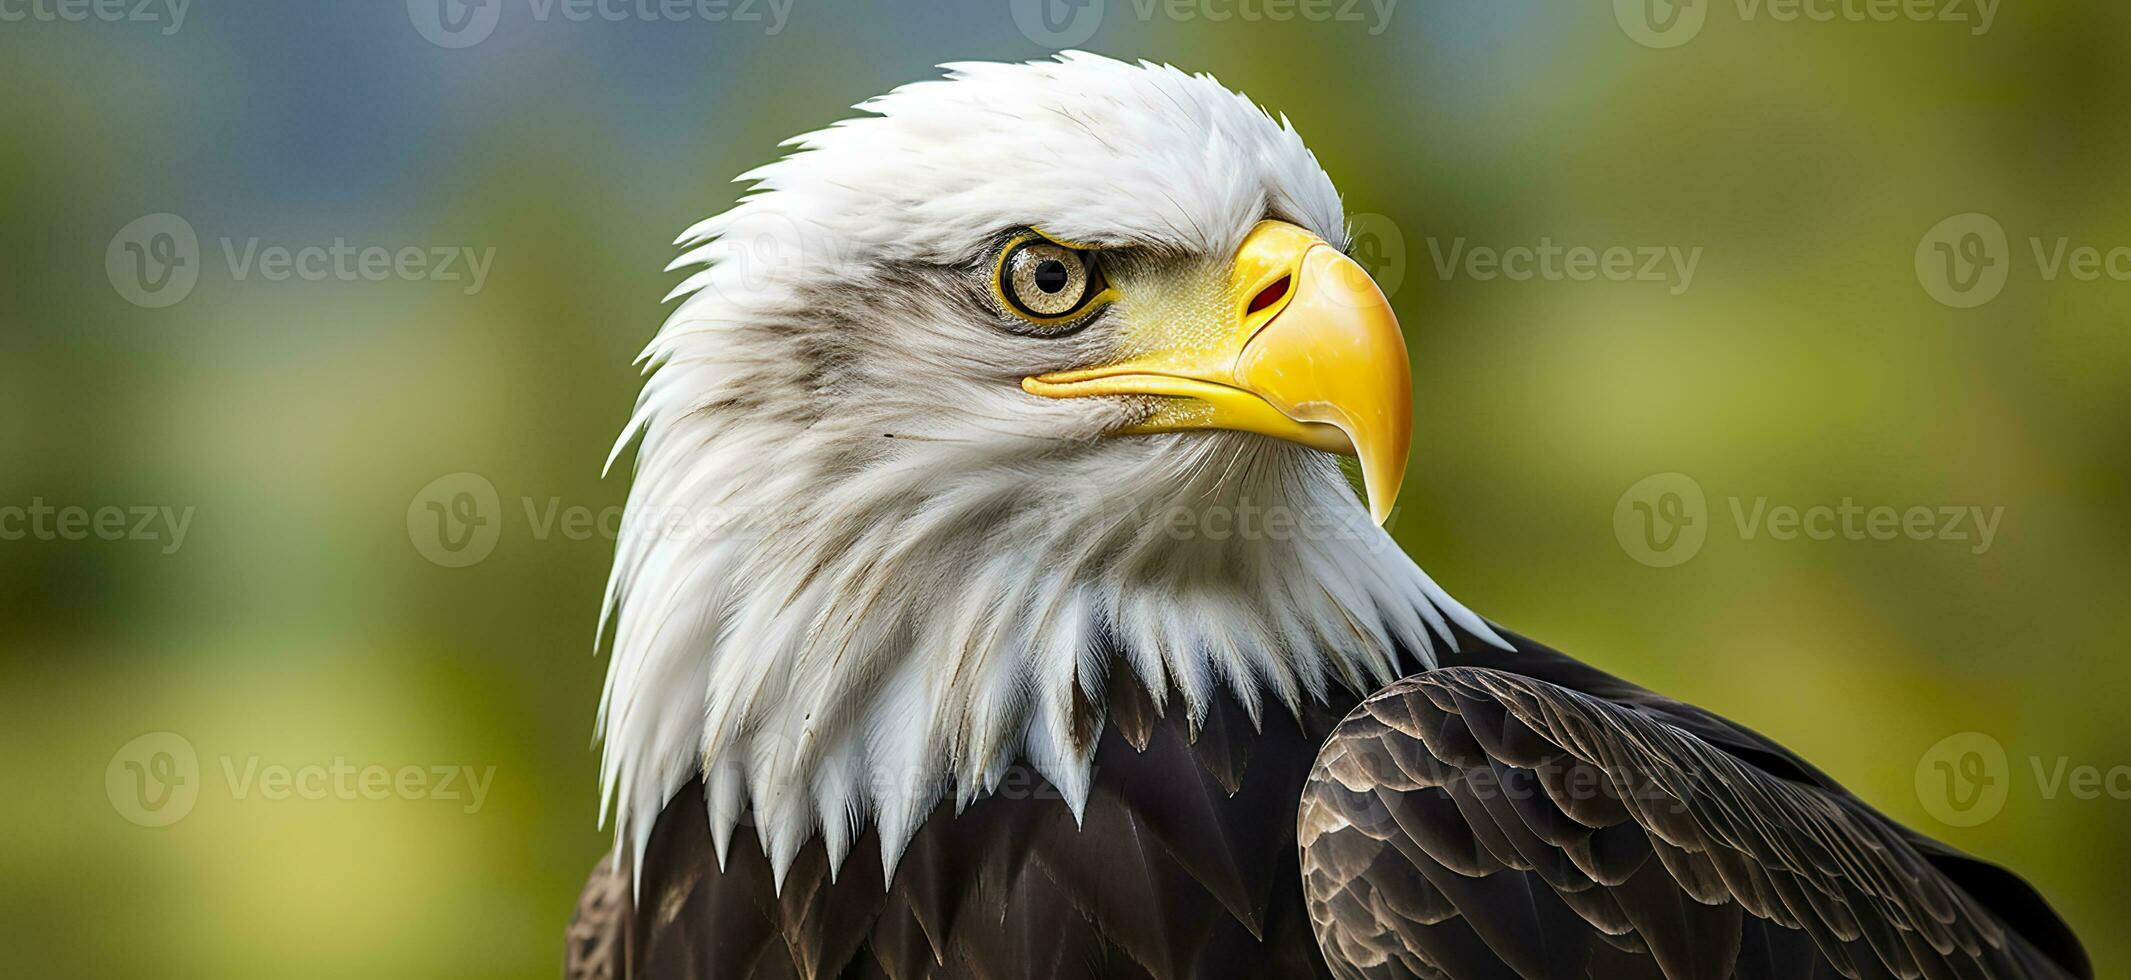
[1027, 375]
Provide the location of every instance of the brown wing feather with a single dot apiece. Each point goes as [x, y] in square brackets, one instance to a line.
[1472, 823]
[597, 939]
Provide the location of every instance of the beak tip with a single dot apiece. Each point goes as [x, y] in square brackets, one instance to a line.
[1380, 503]
[1380, 485]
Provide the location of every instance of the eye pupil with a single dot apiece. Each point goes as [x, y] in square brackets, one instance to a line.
[1051, 276]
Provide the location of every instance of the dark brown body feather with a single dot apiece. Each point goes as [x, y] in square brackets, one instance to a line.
[1185, 866]
[1187, 863]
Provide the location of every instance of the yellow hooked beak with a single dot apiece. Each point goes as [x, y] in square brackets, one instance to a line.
[1308, 351]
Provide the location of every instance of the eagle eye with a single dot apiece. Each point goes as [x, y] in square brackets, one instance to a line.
[1046, 283]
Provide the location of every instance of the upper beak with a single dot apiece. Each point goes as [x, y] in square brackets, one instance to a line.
[1312, 355]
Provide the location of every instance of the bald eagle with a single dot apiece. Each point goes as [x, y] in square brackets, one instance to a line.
[991, 602]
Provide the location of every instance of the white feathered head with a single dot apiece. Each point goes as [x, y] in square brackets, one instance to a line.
[1027, 370]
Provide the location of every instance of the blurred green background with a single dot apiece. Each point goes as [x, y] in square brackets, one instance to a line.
[300, 622]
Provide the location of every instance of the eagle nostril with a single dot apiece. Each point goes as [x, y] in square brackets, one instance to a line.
[1269, 295]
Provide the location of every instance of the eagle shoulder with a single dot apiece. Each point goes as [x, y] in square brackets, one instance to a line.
[598, 938]
[1471, 822]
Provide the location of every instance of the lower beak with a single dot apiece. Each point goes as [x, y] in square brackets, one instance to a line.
[1313, 355]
